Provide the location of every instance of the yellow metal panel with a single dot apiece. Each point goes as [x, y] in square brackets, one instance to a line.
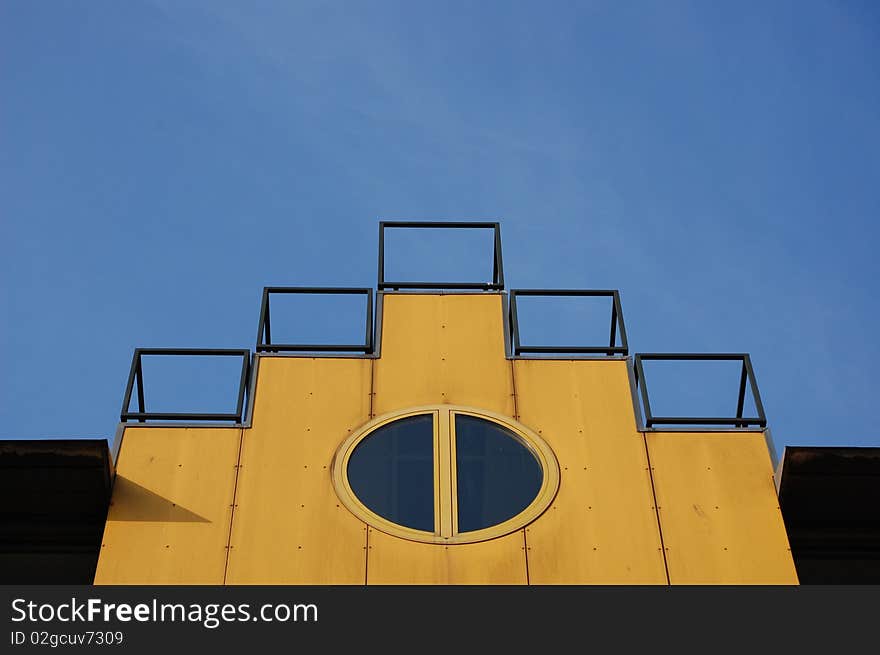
[718, 509]
[392, 560]
[170, 511]
[289, 526]
[602, 526]
[442, 349]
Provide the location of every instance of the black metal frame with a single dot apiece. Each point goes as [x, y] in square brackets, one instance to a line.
[497, 282]
[264, 330]
[616, 323]
[136, 375]
[738, 421]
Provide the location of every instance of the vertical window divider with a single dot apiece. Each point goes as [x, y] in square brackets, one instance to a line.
[443, 488]
[438, 473]
[453, 474]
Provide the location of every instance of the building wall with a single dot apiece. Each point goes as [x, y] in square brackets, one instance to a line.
[257, 505]
[171, 507]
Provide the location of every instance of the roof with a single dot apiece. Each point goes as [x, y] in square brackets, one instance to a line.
[55, 494]
[829, 501]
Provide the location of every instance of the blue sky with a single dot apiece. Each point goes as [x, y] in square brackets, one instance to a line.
[161, 161]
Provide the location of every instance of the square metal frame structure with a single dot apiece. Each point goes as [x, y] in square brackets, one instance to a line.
[738, 421]
[136, 376]
[264, 330]
[617, 324]
[497, 283]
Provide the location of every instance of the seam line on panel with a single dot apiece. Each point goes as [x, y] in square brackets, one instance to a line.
[513, 388]
[372, 386]
[367, 557]
[656, 508]
[232, 509]
[526, 551]
[372, 416]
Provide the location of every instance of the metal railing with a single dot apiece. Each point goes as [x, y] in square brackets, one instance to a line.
[617, 325]
[264, 331]
[497, 282]
[747, 375]
[136, 378]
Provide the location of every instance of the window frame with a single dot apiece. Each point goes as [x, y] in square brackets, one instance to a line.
[446, 476]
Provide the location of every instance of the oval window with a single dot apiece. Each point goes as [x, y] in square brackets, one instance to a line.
[445, 474]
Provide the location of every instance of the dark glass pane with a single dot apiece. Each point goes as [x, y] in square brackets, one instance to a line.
[497, 476]
[392, 472]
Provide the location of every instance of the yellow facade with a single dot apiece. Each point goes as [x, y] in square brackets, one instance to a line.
[602, 529]
[442, 349]
[718, 509]
[288, 526]
[171, 507]
[256, 505]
